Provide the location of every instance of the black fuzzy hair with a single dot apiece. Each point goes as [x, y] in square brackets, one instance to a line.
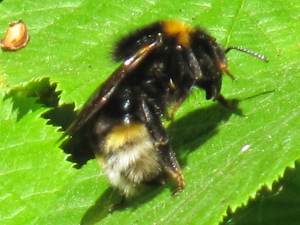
[129, 45]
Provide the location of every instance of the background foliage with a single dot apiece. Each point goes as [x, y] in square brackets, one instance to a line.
[69, 55]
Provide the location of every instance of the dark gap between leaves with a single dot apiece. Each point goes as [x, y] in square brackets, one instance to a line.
[42, 93]
[32, 96]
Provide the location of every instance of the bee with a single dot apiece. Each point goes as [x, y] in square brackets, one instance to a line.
[121, 123]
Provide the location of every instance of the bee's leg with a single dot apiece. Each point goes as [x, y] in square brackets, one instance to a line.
[173, 108]
[183, 63]
[161, 142]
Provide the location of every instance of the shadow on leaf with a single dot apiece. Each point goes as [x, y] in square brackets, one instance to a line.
[110, 201]
[194, 129]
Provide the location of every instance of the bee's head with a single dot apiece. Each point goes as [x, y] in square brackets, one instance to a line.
[213, 63]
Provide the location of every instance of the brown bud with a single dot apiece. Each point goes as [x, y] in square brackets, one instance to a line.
[16, 36]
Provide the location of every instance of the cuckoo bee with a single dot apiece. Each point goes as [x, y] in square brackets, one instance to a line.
[121, 123]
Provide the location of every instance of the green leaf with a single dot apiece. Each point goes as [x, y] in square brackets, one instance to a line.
[71, 43]
[280, 206]
[37, 185]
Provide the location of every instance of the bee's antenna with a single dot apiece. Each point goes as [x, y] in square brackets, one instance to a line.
[249, 52]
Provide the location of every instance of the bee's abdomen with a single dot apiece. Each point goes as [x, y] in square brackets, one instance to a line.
[128, 157]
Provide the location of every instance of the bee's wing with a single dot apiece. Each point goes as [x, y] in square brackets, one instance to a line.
[105, 91]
